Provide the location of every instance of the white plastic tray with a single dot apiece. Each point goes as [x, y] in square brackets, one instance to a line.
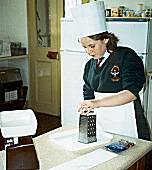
[69, 140]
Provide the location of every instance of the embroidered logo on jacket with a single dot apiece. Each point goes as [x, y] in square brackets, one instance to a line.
[115, 73]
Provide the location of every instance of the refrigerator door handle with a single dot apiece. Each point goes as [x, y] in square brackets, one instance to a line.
[142, 53]
[72, 51]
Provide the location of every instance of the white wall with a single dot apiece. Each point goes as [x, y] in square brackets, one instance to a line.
[13, 21]
[13, 28]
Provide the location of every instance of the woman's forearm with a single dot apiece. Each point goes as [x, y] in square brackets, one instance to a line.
[117, 99]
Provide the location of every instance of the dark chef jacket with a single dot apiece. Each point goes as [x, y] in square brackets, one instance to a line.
[122, 70]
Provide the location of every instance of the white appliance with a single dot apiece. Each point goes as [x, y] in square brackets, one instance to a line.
[134, 33]
[73, 59]
[149, 98]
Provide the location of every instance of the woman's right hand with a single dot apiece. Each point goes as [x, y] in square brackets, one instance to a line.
[86, 107]
[116, 99]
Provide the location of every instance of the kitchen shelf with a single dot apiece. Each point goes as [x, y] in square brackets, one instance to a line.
[129, 19]
[2, 58]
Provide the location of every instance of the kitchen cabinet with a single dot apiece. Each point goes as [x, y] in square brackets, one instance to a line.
[143, 163]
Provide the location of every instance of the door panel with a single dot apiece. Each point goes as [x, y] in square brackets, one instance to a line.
[44, 71]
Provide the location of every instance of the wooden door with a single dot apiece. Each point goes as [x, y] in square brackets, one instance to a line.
[45, 71]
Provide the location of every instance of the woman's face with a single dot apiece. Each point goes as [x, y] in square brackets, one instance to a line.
[95, 48]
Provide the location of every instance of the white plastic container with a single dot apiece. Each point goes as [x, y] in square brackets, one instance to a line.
[18, 123]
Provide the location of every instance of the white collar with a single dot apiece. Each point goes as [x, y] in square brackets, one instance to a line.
[106, 55]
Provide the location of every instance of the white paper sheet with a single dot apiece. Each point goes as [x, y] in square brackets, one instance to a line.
[69, 139]
[86, 161]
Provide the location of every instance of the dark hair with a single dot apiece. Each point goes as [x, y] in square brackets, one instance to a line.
[113, 40]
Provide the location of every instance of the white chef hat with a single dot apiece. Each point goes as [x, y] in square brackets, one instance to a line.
[89, 18]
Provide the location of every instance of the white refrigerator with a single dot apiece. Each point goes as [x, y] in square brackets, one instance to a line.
[73, 59]
[134, 33]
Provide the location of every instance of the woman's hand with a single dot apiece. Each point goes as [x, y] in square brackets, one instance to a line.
[86, 106]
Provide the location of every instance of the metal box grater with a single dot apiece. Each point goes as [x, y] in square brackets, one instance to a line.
[87, 128]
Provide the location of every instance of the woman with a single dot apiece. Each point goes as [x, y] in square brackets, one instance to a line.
[113, 70]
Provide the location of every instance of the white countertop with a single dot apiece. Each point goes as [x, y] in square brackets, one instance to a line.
[51, 155]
